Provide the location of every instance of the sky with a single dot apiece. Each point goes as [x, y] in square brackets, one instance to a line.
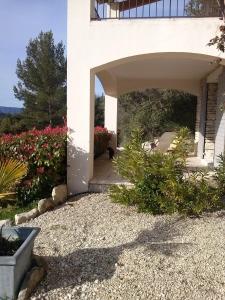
[21, 20]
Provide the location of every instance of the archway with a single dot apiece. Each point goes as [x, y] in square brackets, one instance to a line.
[193, 73]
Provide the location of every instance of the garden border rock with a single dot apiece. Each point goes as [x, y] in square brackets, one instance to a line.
[59, 196]
[6, 222]
[33, 278]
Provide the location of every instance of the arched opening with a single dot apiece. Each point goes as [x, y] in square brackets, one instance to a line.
[184, 74]
[159, 114]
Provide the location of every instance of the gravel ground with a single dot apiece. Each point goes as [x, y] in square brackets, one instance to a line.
[99, 250]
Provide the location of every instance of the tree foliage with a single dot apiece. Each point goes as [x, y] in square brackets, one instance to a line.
[198, 8]
[155, 111]
[219, 40]
[42, 82]
[99, 110]
[212, 8]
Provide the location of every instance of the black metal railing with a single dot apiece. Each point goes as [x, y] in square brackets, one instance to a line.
[134, 9]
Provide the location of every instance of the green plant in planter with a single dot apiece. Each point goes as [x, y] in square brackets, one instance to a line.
[8, 247]
[11, 173]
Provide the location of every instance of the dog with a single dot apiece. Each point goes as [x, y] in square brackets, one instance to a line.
[111, 152]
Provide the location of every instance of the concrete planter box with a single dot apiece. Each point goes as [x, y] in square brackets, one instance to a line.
[14, 268]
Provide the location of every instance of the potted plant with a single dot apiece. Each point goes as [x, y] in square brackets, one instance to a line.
[16, 244]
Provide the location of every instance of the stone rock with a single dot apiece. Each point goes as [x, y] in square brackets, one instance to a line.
[26, 216]
[6, 223]
[30, 282]
[45, 205]
[59, 194]
[40, 262]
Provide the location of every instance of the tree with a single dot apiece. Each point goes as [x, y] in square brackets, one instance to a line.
[99, 111]
[145, 110]
[42, 82]
[154, 112]
[198, 8]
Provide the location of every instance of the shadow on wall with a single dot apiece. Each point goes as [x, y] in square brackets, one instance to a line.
[77, 175]
[91, 264]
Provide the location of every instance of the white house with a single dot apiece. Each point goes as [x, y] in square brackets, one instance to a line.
[138, 44]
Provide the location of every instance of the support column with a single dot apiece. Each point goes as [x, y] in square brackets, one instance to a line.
[80, 99]
[111, 111]
[201, 135]
[210, 127]
[197, 122]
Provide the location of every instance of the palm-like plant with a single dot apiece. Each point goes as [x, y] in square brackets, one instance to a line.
[11, 173]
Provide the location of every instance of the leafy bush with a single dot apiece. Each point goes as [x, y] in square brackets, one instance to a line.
[220, 175]
[101, 140]
[159, 181]
[44, 151]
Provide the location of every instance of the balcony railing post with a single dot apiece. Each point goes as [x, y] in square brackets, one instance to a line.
[114, 10]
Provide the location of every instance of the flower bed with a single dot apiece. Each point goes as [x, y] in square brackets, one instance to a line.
[45, 153]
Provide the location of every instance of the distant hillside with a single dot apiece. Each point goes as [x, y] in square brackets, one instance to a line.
[9, 110]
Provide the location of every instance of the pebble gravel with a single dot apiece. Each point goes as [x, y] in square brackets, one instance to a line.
[98, 250]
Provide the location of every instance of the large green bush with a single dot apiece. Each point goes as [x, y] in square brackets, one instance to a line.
[162, 182]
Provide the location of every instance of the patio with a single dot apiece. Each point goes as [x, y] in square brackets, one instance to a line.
[105, 174]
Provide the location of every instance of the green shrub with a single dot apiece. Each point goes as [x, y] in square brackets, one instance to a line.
[220, 175]
[159, 184]
[44, 152]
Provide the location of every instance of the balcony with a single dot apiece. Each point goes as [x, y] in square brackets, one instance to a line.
[149, 9]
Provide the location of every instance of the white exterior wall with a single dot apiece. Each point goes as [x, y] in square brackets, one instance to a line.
[80, 100]
[111, 111]
[123, 39]
[95, 46]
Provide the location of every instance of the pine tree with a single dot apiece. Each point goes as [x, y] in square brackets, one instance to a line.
[42, 82]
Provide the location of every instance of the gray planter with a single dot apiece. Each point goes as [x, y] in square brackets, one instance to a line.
[14, 268]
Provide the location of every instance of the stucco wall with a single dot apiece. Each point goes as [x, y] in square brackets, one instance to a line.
[123, 39]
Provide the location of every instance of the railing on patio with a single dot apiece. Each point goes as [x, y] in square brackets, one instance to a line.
[134, 9]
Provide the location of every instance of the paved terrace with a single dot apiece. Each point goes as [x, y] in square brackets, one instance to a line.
[105, 174]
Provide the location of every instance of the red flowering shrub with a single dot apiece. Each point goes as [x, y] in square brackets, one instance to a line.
[45, 153]
[101, 140]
